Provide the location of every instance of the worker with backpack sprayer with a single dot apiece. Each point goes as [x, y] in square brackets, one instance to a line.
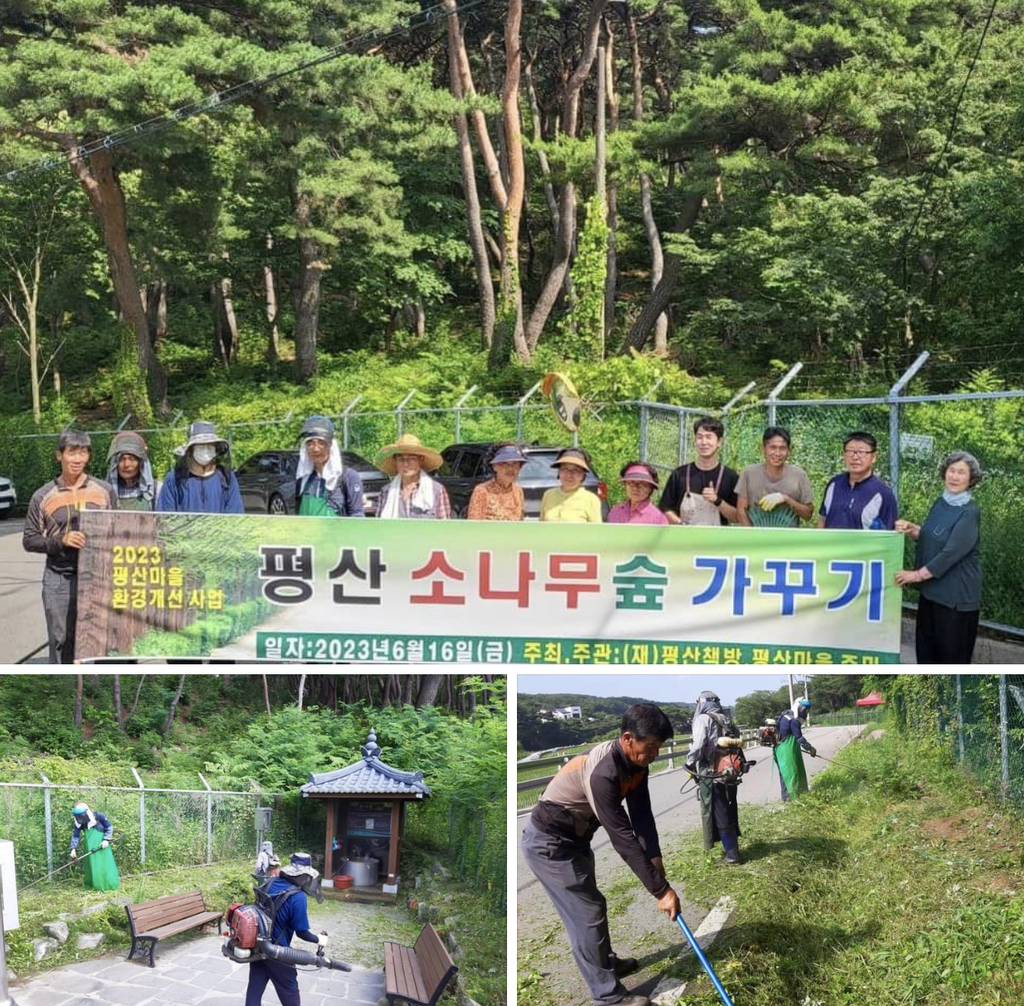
[717, 765]
[260, 935]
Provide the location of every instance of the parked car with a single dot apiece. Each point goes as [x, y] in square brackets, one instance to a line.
[465, 467]
[8, 497]
[267, 481]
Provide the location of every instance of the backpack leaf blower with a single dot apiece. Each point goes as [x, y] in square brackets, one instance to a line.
[249, 939]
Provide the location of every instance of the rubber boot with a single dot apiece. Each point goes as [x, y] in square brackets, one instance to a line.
[730, 848]
[623, 966]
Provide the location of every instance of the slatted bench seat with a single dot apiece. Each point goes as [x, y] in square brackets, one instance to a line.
[152, 921]
[417, 975]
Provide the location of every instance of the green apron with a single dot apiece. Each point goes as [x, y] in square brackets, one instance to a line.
[790, 760]
[314, 506]
[101, 872]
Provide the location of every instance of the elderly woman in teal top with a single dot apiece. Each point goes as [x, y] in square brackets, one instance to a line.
[948, 571]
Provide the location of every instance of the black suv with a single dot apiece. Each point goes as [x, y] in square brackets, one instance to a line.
[267, 481]
[465, 467]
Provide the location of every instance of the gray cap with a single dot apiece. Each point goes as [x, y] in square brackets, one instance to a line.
[318, 426]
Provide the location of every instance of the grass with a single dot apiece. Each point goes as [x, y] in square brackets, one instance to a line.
[896, 881]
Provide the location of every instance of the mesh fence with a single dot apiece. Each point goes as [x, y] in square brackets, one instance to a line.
[988, 733]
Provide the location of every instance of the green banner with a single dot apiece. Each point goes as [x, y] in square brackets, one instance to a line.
[394, 591]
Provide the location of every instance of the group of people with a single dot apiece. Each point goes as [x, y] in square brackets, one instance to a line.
[704, 491]
[608, 787]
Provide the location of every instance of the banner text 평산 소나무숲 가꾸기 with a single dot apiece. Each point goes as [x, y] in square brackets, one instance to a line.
[336, 589]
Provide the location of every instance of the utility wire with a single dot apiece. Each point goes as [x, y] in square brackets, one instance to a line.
[949, 138]
[214, 102]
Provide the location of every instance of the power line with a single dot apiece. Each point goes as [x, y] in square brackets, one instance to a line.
[949, 138]
[215, 102]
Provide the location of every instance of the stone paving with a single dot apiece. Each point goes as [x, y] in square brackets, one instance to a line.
[190, 971]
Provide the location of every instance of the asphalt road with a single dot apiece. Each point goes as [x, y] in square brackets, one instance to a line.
[539, 930]
[22, 625]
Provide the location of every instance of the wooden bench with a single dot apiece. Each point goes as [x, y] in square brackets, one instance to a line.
[177, 913]
[418, 975]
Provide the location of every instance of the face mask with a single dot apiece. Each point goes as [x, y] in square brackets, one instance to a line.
[204, 454]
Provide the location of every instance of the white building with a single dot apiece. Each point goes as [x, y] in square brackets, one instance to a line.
[568, 713]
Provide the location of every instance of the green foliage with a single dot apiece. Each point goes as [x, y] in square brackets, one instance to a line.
[582, 329]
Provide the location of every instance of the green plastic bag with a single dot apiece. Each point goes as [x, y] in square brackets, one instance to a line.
[101, 873]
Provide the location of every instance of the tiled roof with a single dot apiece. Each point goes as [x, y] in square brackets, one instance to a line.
[369, 777]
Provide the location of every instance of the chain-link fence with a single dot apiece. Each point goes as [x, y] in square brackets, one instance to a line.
[914, 433]
[154, 829]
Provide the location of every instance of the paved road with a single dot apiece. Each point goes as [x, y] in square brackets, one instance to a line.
[642, 930]
[22, 626]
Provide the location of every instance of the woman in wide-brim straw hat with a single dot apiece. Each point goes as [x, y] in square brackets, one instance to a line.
[411, 491]
[570, 502]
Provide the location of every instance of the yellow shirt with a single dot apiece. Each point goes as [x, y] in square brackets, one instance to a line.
[581, 506]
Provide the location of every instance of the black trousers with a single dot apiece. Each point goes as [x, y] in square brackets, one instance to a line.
[282, 976]
[944, 635]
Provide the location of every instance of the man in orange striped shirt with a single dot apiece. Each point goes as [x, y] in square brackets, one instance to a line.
[51, 527]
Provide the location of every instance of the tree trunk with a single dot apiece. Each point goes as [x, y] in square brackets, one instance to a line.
[79, 686]
[302, 690]
[646, 204]
[311, 271]
[612, 198]
[174, 706]
[156, 311]
[270, 292]
[408, 688]
[509, 326]
[118, 711]
[103, 188]
[662, 294]
[135, 702]
[566, 234]
[225, 329]
[474, 217]
[430, 684]
[542, 157]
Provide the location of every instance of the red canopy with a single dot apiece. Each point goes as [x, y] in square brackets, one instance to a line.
[874, 699]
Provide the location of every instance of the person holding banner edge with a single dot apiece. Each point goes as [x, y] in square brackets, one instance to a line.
[857, 499]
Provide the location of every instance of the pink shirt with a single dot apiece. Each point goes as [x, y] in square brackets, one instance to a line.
[646, 513]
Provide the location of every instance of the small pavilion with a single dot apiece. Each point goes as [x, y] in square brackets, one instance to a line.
[366, 813]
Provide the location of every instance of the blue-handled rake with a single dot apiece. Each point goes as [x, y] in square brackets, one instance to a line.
[705, 963]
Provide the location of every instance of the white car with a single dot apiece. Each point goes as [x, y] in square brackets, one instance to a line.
[8, 496]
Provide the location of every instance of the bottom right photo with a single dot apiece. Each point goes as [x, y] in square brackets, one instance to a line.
[767, 839]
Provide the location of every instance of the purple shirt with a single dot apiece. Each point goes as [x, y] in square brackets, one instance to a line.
[869, 505]
[646, 513]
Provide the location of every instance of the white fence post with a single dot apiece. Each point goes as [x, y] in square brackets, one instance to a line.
[209, 819]
[521, 406]
[777, 390]
[142, 817]
[458, 413]
[959, 721]
[894, 420]
[49, 827]
[345, 418]
[1004, 736]
[400, 413]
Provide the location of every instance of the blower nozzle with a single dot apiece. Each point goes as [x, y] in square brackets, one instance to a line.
[288, 955]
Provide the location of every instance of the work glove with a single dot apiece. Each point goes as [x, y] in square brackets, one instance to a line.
[771, 501]
[74, 854]
[104, 844]
[691, 771]
[812, 750]
[321, 939]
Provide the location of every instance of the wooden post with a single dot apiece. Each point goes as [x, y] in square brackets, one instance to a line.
[393, 843]
[332, 816]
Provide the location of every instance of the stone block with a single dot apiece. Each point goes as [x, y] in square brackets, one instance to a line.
[57, 930]
[43, 947]
[90, 941]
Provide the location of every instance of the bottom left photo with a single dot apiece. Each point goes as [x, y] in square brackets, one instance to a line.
[216, 839]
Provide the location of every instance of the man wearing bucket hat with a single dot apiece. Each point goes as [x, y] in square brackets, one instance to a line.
[51, 527]
[570, 502]
[201, 480]
[500, 498]
[290, 919]
[323, 486]
[129, 472]
[100, 870]
[640, 480]
[411, 491]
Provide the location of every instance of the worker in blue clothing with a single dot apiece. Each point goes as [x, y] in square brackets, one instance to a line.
[296, 881]
[791, 741]
[202, 480]
[100, 871]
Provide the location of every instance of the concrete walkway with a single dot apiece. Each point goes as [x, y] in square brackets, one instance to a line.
[190, 971]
